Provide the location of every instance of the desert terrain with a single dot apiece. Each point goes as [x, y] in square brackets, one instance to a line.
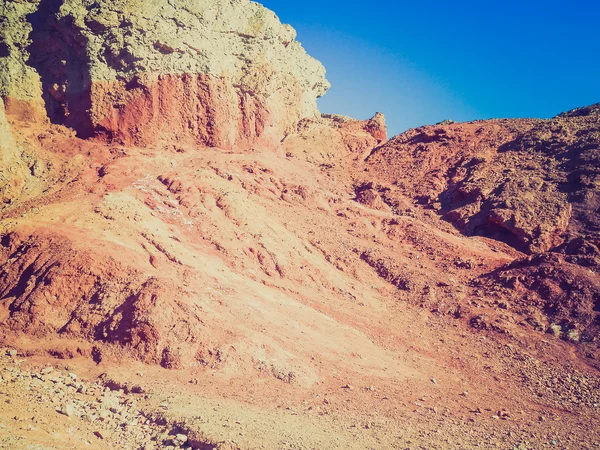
[193, 256]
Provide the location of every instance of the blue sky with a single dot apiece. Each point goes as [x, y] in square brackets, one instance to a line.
[421, 62]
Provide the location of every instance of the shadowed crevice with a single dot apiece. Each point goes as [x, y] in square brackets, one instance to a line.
[58, 54]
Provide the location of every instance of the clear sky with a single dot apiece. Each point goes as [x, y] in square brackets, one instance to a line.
[421, 62]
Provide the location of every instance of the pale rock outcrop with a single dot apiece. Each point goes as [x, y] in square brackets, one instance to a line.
[20, 84]
[332, 136]
[222, 73]
[12, 171]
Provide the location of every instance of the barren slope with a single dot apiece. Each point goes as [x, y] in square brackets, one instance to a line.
[211, 258]
[291, 295]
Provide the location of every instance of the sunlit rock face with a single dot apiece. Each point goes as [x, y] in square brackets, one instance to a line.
[220, 73]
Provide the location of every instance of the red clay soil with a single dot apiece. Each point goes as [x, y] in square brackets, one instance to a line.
[437, 290]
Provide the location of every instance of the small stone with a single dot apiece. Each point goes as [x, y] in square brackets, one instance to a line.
[68, 409]
[181, 438]
[347, 386]
[12, 352]
[434, 381]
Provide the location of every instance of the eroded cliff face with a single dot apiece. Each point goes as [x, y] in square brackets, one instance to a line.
[12, 170]
[218, 73]
[20, 84]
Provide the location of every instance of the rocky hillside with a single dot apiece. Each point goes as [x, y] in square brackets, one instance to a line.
[220, 73]
[532, 184]
[9, 162]
[177, 216]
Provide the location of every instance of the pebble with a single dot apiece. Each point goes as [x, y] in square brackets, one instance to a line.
[99, 434]
[68, 409]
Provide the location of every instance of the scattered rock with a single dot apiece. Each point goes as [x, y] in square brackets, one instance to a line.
[99, 434]
[68, 409]
[181, 439]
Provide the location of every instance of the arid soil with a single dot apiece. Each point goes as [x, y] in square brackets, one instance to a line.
[191, 256]
[277, 300]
